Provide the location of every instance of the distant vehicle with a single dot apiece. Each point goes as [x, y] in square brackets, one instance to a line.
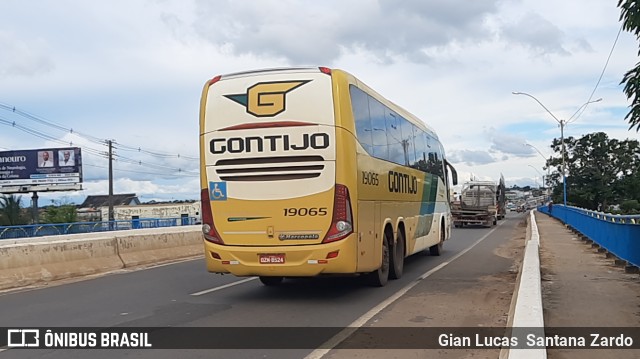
[479, 204]
[501, 198]
[308, 171]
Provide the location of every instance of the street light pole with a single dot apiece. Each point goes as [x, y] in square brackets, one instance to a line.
[564, 165]
[562, 123]
[538, 173]
[545, 160]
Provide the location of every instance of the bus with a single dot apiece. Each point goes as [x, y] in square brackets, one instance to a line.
[308, 171]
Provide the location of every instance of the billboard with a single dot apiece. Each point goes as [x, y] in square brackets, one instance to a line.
[41, 169]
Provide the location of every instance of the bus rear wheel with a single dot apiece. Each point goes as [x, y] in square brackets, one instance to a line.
[271, 281]
[380, 277]
[397, 259]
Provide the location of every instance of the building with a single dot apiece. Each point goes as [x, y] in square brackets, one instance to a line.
[153, 210]
[127, 207]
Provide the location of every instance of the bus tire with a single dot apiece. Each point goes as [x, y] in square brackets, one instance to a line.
[397, 257]
[380, 277]
[436, 249]
[271, 281]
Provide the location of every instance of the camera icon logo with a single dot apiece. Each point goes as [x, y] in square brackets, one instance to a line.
[23, 338]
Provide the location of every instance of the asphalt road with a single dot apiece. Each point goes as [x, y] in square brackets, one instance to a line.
[185, 295]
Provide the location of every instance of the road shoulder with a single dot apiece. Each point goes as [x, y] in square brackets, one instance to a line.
[477, 293]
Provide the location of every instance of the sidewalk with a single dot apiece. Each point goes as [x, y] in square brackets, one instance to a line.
[583, 288]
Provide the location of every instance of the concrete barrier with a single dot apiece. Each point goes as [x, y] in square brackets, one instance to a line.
[160, 245]
[28, 263]
[31, 261]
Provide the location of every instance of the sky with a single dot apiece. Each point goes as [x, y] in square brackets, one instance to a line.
[80, 73]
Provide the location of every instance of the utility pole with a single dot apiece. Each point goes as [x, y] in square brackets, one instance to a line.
[111, 216]
[34, 207]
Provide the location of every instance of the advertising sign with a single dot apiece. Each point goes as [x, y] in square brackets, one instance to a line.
[41, 167]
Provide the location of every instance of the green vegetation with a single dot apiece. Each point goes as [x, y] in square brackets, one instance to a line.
[66, 213]
[630, 17]
[631, 206]
[11, 211]
[601, 172]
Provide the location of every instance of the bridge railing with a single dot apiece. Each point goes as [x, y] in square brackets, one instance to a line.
[618, 234]
[38, 230]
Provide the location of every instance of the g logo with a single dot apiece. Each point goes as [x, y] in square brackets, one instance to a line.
[266, 99]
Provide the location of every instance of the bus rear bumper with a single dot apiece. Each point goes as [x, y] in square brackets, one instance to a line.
[339, 257]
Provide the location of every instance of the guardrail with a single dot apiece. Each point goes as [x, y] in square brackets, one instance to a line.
[618, 234]
[38, 230]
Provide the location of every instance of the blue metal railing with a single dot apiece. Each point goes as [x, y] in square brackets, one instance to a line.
[618, 234]
[38, 230]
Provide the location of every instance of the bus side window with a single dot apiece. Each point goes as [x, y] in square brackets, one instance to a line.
[408, 136]
[394, 137]
[360, 108]
[378, 131]
[421, 151]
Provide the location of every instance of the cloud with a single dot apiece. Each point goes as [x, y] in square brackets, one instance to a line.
[19, 58]
[134, 71]
[538, 34]
[509, 144]
[471, 157]
[384, 28]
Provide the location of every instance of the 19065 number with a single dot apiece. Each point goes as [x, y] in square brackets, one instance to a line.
[370, 178]
[313, 211]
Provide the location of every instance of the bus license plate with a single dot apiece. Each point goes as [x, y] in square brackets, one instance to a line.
[272, 258]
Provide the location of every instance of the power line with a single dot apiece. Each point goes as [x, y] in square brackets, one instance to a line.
[91, 138]
[45, 136]
[144, 172]
[150, 165]
[599, 79]
[155, 153]
[89, 149]
[49, 123]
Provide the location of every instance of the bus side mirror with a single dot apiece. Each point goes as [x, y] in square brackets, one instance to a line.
[454, 174]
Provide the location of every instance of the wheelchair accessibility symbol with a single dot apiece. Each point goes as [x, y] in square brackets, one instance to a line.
[218, 191]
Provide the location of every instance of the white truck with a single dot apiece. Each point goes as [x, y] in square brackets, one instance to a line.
[480, 203]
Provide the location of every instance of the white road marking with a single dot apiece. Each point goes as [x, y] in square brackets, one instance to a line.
[346, 332]
[44, 285]
[223, 286]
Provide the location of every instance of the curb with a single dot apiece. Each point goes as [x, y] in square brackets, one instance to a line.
[528, 311]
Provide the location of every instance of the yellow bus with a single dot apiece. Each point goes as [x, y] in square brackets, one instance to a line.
[308, 171]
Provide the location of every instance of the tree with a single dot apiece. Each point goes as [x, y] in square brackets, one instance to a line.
[601, 171]
[61, 213]
[11, 211]
[630, 17]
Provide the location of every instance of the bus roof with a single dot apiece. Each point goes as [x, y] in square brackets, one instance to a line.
[406, 114]
[270, 70]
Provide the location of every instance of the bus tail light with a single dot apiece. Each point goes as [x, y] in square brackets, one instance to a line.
[341, 223]
[208, 228]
